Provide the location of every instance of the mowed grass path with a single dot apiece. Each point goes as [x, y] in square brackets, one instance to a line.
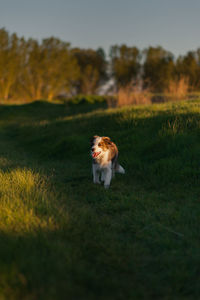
[62, 237]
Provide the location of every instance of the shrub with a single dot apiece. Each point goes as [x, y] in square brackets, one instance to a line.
[81, 99]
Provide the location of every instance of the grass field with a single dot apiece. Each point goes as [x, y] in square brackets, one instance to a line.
[62, 237]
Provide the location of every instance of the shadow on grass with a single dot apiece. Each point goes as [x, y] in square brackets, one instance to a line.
[43, 110]
[156, 150]
[94, 258]
[53, 265]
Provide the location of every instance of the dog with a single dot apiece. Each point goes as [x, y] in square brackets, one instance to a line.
[104, 160]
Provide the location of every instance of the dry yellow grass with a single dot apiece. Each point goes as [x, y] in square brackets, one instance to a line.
[178, 89]
[133, 94]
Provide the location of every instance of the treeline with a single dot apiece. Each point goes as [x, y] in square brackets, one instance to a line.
[30, 69]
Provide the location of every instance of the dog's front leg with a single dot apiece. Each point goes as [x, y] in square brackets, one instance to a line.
[108, 176]
[103, 175]
[95, 174]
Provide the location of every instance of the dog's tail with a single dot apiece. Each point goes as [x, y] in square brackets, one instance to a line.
[120, 169]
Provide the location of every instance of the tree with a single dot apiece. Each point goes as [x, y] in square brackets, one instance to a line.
[188, 66]
[31, 77]
[125, 64]
[49, 69]
[61, 65]
[158, 68]
[10, 62]
[92, 66]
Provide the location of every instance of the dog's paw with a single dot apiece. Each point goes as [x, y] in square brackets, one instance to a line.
[97, 182]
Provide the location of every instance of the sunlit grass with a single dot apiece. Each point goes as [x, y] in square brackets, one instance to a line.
[27, 202]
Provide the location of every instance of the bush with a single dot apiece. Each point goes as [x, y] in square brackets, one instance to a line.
[82, 99]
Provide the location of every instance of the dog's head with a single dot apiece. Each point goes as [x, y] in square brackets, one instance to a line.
[100, 145]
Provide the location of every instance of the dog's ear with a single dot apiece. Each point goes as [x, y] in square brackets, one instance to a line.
[107, 140]
[93, 138]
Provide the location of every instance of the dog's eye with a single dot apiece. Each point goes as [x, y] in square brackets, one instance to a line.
[99, 144]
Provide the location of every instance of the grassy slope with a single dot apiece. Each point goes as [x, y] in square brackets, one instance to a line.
[62, 237]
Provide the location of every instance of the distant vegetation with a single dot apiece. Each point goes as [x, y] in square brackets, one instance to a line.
[52, 69]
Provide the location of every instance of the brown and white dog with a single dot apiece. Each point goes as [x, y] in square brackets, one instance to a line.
[104, 160]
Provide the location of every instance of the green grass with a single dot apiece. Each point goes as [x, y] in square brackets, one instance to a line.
[62, 237]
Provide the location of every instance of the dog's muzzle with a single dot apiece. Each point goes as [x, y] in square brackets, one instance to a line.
[95, 154]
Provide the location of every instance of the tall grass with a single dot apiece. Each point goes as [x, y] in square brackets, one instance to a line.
[133, 94]
[178, 89]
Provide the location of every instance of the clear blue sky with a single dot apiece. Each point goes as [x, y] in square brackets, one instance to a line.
[173, 24]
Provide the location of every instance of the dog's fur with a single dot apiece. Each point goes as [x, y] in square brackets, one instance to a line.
[104, 160]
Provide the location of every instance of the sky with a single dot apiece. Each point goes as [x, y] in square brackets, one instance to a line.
[172, 24]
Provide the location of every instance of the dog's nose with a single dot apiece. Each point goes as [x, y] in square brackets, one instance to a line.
[92, 149]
